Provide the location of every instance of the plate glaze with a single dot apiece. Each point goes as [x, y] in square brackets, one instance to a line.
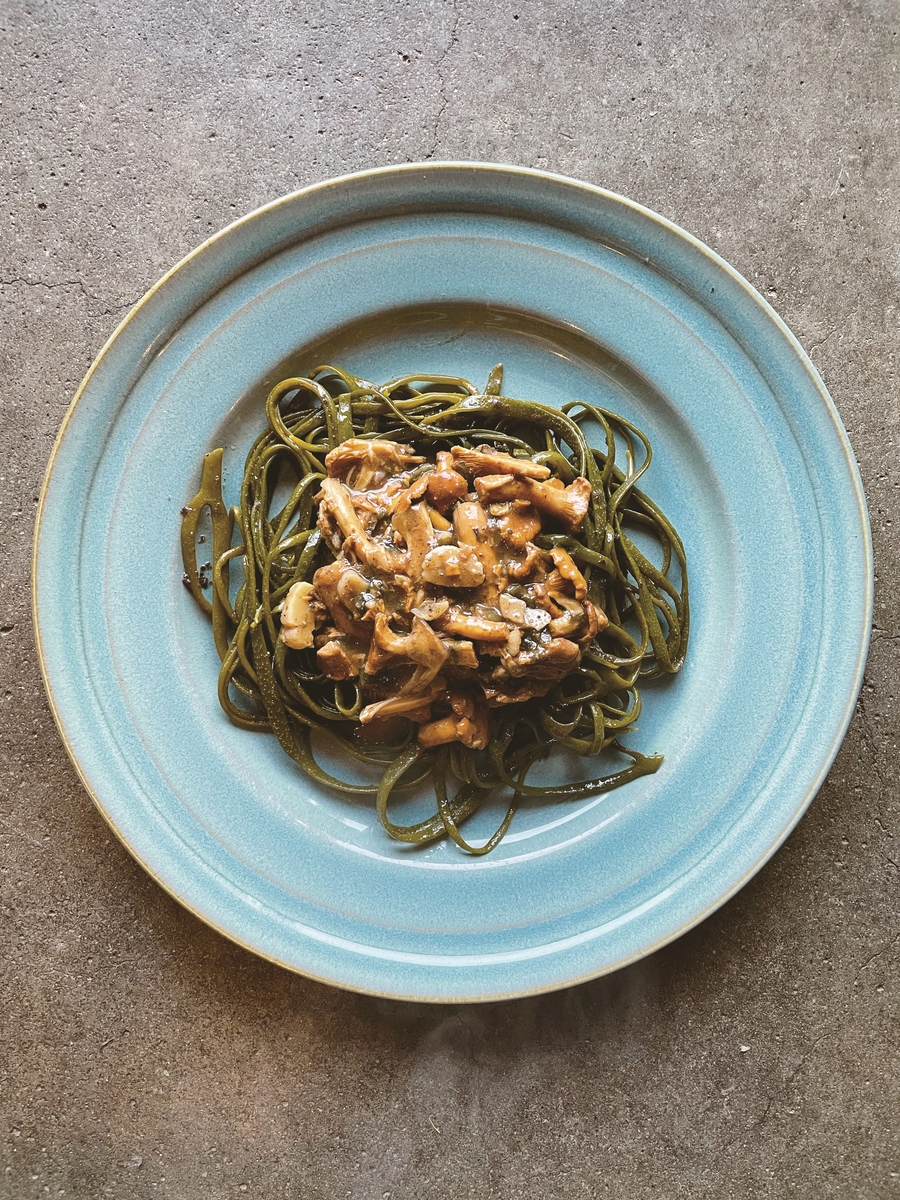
[451, 268]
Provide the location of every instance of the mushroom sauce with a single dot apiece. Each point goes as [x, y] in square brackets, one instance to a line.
[438, 599]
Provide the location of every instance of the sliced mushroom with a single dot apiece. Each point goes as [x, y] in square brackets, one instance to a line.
[405, 705]
[476, 629]
[411, 521]
[461, 653]
[557, 588]
[335, 499]
[570, 622]
[485, 460]
[430, 610]
[421, 646]
[518, 524]
[381, 502]
[596, 621]
[341, 658]
[470, 523]
[353, 590]
[327, 582]
[472, 529]
[298, 620]
[532, 563]
[439, 524]
[513, 609]
[537, 618]
[453, 566]
[552, 660]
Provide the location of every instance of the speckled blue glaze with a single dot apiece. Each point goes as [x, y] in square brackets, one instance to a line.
[452, 268]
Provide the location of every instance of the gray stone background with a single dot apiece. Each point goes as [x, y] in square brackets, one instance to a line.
[145, 1056]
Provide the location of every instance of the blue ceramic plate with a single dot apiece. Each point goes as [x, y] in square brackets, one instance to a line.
[452, 268]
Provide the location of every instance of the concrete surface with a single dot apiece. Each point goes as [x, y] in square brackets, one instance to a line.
[143, 1055]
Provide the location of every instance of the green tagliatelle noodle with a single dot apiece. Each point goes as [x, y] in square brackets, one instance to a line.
[264, 685]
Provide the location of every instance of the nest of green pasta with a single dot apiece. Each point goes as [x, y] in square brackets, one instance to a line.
[446, 581]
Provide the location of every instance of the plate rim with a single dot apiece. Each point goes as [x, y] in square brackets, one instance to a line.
[748, 291]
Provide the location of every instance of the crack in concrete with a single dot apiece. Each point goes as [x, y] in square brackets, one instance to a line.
[878, 953]
[867, 740]
[770, 1100]
[440, 73]
[821, 342]
[66, 283]
[43, 283]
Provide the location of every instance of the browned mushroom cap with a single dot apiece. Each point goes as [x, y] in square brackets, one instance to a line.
[570, 613]
[445, 486]
[467, 723]
[597, 620]
[532, 563]
[430, 610]
[518, 522]
[552, 660]
[485, 460]
[567, 505]
[336, 500]
[570, 622]
[470, 524]
[328, 582]
[367, 464]
[519, 614]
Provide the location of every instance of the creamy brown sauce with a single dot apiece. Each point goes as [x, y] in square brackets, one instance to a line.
[439, 602]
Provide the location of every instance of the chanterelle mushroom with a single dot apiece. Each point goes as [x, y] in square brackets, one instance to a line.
[336, 503]
[366, 464]
[417, 601]
[567, 505]
[467, 722]
[484, 460]
[445, 485]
